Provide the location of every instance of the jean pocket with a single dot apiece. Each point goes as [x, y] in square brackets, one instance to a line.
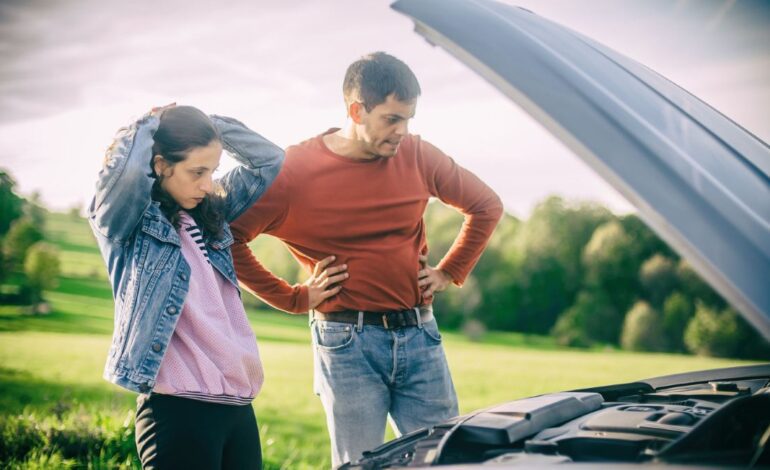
[431, 331]
[332, 336]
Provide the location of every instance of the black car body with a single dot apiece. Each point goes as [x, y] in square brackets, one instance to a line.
[698, 179]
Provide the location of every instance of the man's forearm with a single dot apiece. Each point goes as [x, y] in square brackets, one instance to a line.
[265, 285]
[474, 235]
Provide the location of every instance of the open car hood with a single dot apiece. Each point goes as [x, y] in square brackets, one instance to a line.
[697, 178]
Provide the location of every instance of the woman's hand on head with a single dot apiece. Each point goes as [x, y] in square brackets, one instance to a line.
[325, 281]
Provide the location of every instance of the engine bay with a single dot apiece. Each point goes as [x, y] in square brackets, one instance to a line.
[708, 423]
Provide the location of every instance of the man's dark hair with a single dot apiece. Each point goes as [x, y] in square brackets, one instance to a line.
[376, 76]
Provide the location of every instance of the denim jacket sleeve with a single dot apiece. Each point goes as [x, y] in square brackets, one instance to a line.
[260, 161]
[123, 190]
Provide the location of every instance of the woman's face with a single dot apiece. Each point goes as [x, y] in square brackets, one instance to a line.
[190, 180]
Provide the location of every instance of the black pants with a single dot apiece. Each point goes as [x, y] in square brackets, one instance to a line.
[174, 432]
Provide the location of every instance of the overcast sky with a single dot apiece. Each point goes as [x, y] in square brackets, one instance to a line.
[73, 72]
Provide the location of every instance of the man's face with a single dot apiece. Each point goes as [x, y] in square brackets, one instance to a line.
[190, 180]
[382, 128]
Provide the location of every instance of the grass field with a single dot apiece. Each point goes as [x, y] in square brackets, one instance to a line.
[50, 366]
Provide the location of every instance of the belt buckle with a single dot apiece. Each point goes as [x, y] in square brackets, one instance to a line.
[395, 319]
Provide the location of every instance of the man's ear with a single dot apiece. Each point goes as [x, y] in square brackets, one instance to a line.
[159, 164]
[356, 111]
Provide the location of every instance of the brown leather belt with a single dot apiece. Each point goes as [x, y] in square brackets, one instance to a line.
[389, 320]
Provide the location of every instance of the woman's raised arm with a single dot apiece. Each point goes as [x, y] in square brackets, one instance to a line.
[123, 190]
[260, 160]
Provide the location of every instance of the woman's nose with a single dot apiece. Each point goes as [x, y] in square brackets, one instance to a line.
[207, 185]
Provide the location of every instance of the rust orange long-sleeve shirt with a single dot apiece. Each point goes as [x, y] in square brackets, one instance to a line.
[369, 214]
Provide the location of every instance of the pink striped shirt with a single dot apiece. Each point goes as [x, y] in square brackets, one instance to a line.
[213, 354]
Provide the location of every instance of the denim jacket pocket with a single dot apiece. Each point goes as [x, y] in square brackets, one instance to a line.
[155, 226]
[225, 241]
[156, 246]
[332, 336]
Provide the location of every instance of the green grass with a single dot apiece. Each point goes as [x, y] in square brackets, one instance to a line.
[51, 366]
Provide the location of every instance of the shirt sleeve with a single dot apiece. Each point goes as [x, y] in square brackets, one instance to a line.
[461, 189]
[266, 214]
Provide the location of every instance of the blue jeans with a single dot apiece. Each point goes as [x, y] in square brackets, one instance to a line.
[364, 375]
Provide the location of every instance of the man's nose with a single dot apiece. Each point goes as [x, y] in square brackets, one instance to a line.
[402, 128]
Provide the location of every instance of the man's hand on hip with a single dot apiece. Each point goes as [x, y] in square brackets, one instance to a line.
[431, 280]
[324, 282]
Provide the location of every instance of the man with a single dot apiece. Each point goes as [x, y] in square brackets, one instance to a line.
[358, 194]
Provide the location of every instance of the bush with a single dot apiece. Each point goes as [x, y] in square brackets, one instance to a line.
[22, 235]
[724, 334]
[592, 319]
[677, 312]
[641, 329]
[42, 268]
[711, 333]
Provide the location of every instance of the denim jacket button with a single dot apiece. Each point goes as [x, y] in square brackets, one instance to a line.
[172, 310]
[157, 347]
[183, 276]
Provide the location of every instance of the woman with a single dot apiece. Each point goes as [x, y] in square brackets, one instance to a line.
[181, 335]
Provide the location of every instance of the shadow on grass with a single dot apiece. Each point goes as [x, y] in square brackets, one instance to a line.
[20, 391]
[17, 320]
[66, 245]
[87, 287]
[281, 339]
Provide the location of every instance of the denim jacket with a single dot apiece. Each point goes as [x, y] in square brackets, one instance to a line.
[141, 248]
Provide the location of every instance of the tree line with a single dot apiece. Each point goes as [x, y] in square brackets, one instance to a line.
[573, 270]
[578, 272]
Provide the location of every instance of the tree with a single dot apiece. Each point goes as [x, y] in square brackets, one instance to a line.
[692, 285]
[34, 210]
[658, 278]
[645, 242]
[611, 264]
[22, 235]
[498, 285]
[546, 259]
[459, 306]
[641, 329]
[10, 203]
[42, 269]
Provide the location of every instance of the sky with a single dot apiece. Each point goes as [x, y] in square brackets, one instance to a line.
[74, 72]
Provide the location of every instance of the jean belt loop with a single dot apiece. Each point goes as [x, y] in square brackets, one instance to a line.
[360, 325]
[419, 317]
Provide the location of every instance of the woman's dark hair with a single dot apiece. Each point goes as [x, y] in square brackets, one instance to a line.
[181, 129]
